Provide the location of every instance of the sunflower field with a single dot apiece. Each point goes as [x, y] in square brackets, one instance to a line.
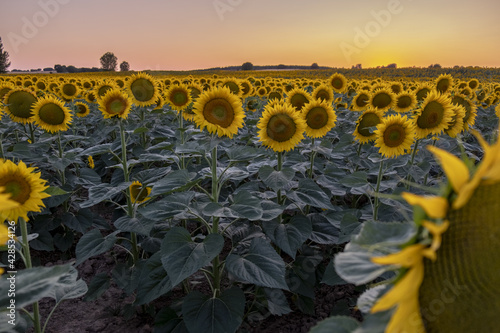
[228, 199]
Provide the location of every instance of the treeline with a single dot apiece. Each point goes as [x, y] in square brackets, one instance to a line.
[73, 69]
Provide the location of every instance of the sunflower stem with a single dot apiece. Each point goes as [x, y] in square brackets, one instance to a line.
[32, 132]
[130, 208]
[181, 129]
[278, 195]
[414, 151]
[27, 255]
[216, 273]
[62, 172]
[1, 147]
[313, 154]
[377, 189]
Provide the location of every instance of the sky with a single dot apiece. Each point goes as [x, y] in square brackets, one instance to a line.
[197, 34]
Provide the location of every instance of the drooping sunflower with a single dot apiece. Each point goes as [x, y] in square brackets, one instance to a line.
[18, 103]
[297, 98]
[281, 128]
[434, 115]
[24, 186]
[361, 101]
[82, 109]
[219, 111]
[365, 125]
[338, 82]
[394, 135]
[51, 114]
[382, 99]
[139, 193]
[323, 93]
[456, 125]
[447, 275]
[444, 83]
[405, 102]
[178, 96]
[319, 117]
[470, 109]
[115, 103]
[143, 88]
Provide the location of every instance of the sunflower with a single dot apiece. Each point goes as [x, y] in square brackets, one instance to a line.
[234, 85]
[219, 111]
[275, 94]
[82, 109]
[470, 109]
[5, 87]
[68, 90]
[51, 115]
[195, 90]
[338, 82]
[5, 202]
[246, 88]
[422, 91]
[319, 117]
[281, 128]
[18, 103]
[360, 101]
[433, 115]
[448, 274]
[25, 187]
[444, 83]
[323, 93]
[139, 193]
[456, 125]
[497, 110]
[382, 99]
[115, 103]
[297, 98]
[396, 87]
[473, 83]
[405, 102]
[368, 120]
[394, 135]
[90, 162]
[178, 96]
[143, 88]
[102, 88]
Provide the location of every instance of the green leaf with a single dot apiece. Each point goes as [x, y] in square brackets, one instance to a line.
[289, 236]
[261, 266]
[247, 206]
[277, 302]
[348, 226]
[330, 277]
[133, 224]
[92, 244]
[385, 234]
[217, 210]
[182, 257]
[167, 207]
[276, 180]
[167, 321]
[54, 190]
[357, 268]
[97, 150]
[98, 285]
[337, 324]
[175, 180]
[153, 281]
[271, 210]
[139, 130]
[309, 193]
[44, 241]
[356, 179]
[33, 284]
[324, 231]
[224, 314]
[103, 192]
[68, 287]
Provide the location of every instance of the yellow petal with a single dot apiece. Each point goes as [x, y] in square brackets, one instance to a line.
[406, 318]
[6, 202]
[435, 207]
[407, 257]
[436, 231]
[405, 289]
[456, 171]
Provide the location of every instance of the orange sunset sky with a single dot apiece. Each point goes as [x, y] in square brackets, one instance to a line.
[195, 34]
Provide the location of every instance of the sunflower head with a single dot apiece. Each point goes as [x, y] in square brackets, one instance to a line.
[394, 135]
[338, 82]
[18, 103]
[139, 193]
[470, 109]
[319, 117]
[115, 103]
[233, 85]
[360, 101]
[444, 83]
[323, 93]
[434, 115]
[90, 162]
[456, 125]
[405, 102]
[68, 90]
[298, 98]
[82, 109]
[422, 91]
[178, 96]
[382, 99]
[367, 121]
[51, 114]
[219, 111]
[24, 187]
[143, 88]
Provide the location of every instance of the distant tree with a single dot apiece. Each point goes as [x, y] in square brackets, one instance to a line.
[60, 69]
[314, 66]
[4, 59]
[393, 65]
[71, 69]
[435, 66]
[247, 66]
[48, 69]
[124, 66]
[109, 61]
[281, 66]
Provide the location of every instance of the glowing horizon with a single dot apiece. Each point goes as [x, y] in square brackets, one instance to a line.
[196, 34]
